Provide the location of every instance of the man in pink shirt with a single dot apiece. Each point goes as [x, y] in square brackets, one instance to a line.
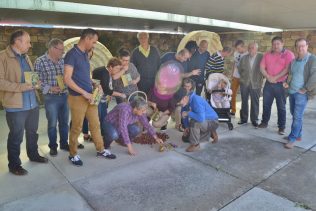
[274, 67]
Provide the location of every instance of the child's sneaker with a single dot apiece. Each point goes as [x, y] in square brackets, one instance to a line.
[76, 160]
[106, 154]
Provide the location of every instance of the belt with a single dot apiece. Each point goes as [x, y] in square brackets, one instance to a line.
[59, 93]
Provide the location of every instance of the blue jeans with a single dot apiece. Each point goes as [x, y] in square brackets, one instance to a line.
[111, 134]
[298, 104]
[56, 108]
[185, 121]
[17, 123]
[270, 92]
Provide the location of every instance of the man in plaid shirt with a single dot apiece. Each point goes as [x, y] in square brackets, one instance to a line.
[50, 68]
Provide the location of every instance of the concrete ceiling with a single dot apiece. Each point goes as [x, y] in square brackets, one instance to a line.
[284, 14]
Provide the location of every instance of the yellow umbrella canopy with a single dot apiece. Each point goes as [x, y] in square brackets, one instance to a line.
[213, 39]
[101, 55]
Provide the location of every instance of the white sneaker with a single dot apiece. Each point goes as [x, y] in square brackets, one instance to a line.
[106, 154]
[76, 160]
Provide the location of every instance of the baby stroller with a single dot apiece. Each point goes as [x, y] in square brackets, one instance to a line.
[219, 96]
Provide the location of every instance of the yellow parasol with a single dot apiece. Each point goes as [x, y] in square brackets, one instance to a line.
[101, 55]
[214, 41]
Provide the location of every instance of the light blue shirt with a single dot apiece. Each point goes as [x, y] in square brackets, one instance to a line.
[29, 97]
[297, 72]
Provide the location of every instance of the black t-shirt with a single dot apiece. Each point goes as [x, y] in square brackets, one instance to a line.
[102, 74]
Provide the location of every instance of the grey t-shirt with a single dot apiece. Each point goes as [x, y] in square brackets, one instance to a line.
[118, 85]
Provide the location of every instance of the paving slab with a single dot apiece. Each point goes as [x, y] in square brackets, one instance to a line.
[270, 133]
[170, 182]
[93, 165]
[41, 177]
[296, 182]
[60, 198]
[248, 157]
[258, 199]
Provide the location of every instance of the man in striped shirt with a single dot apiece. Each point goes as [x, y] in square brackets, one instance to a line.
[215, 63]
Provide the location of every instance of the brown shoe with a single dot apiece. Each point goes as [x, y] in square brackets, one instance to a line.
[193, 148]
[262, 125]
[281, 131]
[214, 137]
[289, 145]
[19, 171]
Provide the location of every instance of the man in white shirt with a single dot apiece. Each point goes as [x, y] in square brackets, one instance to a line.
[240, 51]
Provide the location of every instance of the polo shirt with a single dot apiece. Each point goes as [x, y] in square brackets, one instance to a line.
[274, 63]
[81, 69]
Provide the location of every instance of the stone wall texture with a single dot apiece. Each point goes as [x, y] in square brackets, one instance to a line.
[114, 40]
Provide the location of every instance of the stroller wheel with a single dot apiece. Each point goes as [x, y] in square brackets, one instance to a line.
[230, 126]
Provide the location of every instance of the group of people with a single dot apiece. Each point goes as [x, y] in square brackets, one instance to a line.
[67, 87]
[284, 76]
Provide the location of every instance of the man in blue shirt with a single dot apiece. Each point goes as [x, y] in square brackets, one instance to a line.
[198, 61]
[182, 57]
[19, 101]
[203, 121]
[77, 78]
[301, 86]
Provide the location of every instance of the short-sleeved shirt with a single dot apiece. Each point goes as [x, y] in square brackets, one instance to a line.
[237, 58]
[127, 90]
[274, 63]
[102, 74]
[81, 69]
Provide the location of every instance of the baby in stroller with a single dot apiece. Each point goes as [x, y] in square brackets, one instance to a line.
[218, 94]
[218, 90]
[221, 96]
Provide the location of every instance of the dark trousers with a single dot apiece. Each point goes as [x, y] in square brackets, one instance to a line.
[199, 88]
[146, 84]
[17, 123]
[102, 110]
[254, 94]
[270, 92]
[111, 134]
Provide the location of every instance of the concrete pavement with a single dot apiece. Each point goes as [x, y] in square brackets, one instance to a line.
[248, 169]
